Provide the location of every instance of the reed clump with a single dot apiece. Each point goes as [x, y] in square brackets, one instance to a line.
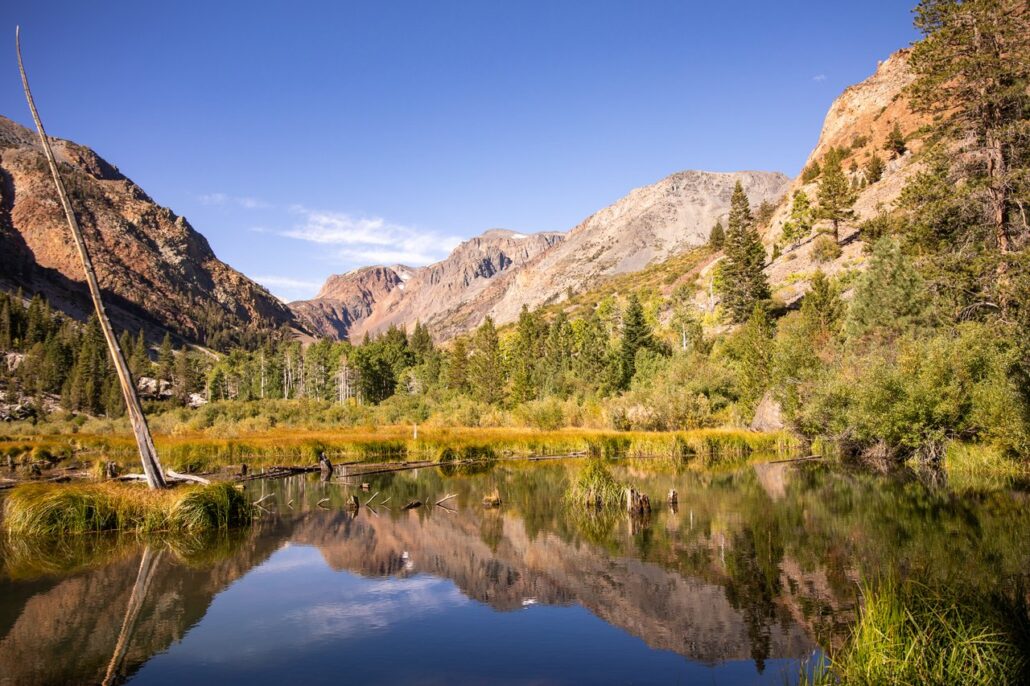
[911, 634]
[594, 486]
[63, 509]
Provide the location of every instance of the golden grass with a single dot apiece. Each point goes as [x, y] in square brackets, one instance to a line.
[199, 451]
[62, 509]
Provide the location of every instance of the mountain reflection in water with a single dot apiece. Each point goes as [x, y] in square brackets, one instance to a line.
[750, 575]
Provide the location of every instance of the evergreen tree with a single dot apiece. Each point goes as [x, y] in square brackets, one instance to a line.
[526, 356]
[755, 361]
[185, 374]
[139, 360]
[457, 365]
[591, 350]
[485, 370]
[6, 323]
[895, 143]
[165, 359]
[836, 196]
[972, 72]
[685, 320]
[802, 217]
[558, 354]
[742, 281]
[717, 238]
[636, 335]
[822, 306]
[874, 169]
[421, 343]
[890, 297]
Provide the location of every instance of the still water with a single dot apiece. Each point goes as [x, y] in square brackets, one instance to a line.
[745, 582]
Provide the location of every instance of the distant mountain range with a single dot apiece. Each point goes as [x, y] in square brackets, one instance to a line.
[160, 274]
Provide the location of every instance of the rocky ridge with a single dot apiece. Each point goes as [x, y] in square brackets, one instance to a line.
[156, 271]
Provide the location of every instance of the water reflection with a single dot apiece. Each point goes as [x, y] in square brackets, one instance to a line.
[751, 572]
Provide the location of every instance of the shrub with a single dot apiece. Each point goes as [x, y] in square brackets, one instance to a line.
[825, 249]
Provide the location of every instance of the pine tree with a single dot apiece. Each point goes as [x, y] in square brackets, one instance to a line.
[890, 297]
[526, 357]
[799, 224]
[836, 196]
[742, 281]
[457, 365]
[165, 359]
[139, 361]
[822, 306]
[895, 143]
[756, 350]
[972, 70]
[557, 358]
[6, 324]
[874, 169]
[717, 238]
[591, 350]
[185, 375]
[485, 371]
[636, 335]
[421, 343]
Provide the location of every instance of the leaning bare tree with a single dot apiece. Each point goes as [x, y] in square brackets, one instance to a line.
[147, 452]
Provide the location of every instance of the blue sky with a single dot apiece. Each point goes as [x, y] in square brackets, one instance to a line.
[305, 139]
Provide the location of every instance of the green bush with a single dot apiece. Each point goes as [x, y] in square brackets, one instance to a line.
[825, 249]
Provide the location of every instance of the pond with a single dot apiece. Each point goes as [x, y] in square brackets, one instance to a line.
[747, 580]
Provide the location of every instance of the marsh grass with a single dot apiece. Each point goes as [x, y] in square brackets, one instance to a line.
[911, 634]
[594, 486]
[982, 468]
[202, 452]
[62, 509]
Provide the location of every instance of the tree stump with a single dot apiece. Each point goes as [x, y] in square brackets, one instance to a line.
[637, 503]
[325, 466]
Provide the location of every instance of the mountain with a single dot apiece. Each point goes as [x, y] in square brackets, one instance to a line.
[156, 271]
[371, 299]
[857, 123]
[498, 272]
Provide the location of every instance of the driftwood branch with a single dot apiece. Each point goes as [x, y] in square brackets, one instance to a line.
[446, 498]
[147, 452]
[186, 477]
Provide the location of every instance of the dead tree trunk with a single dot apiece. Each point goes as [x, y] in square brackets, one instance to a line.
[147, 452]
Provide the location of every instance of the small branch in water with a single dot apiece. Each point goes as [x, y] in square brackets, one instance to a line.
[321, 503]
[371, 499]
[262, 499]
[186, 477]
[445, 498]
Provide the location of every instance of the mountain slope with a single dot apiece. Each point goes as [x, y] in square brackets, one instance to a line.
[497, 273]
[371, 299]
[156, 271]
[858, 122]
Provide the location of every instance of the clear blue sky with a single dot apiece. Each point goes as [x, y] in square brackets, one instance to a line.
[304, 139]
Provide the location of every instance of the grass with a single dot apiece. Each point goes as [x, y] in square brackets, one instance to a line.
[204, 451]
[982, 468]
[62, 509]
[594, 486]
[911, 634]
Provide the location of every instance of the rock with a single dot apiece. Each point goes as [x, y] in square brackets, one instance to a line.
[768, 414]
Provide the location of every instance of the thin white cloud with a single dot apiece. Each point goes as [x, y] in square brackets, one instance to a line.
[286, 282]
[244, 201]
[819, 77]
[364, 240]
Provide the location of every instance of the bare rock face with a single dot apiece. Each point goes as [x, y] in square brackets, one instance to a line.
[347, 299]
[370, 300]
[156, 271]
[858, 121]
